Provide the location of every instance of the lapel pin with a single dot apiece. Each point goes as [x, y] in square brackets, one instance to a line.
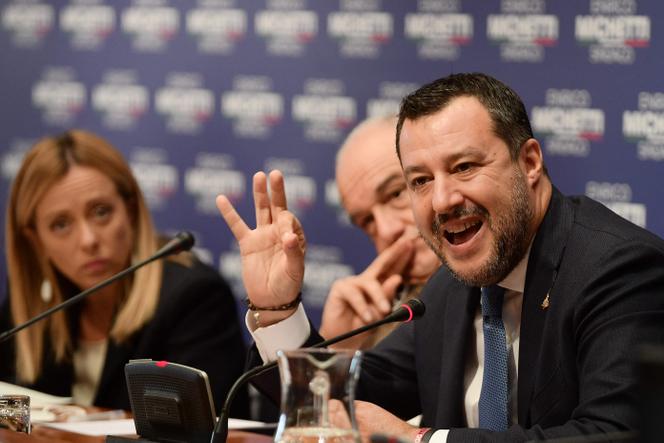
[545, 303]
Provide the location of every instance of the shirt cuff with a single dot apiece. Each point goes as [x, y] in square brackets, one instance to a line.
[288, 334]
[440, 436]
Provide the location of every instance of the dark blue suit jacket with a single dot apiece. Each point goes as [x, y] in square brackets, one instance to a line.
[605, 280]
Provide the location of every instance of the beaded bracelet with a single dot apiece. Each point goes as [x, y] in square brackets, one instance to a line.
[284, 307]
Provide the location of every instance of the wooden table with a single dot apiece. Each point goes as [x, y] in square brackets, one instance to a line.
[44, 434]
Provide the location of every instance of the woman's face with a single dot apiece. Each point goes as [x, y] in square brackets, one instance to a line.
[83, 227]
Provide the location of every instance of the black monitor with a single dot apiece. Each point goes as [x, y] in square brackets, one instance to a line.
[171, 403]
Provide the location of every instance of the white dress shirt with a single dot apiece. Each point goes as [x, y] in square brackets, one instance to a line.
[292, 332]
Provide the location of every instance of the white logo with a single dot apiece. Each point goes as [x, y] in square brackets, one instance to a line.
[158, 181]
[205, 183]
[287, 32]
[361, 33]
[439, 35]
[300, 191]
[89, 25]
[583, 123]
[523, 36]
[388, 103]
[28, 23]
[13, 157]
[121, 105]
[612, 38]
[217, 30]
[151, 27]
[253, 112]
[325, 116]
[645, 126]
[324, 266]
[186, 109]
[568, 122]
[60, 101]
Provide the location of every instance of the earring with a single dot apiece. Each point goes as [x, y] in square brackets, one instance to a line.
[46, 291]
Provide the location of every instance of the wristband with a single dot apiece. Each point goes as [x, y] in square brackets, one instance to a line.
[284, 307]
[423, 435]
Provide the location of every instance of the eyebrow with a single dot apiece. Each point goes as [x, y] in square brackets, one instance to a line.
[468, 150]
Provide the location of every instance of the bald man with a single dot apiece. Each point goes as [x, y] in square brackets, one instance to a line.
[373, 193]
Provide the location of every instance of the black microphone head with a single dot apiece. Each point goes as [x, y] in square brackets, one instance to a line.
[417, 307]
[185, 240]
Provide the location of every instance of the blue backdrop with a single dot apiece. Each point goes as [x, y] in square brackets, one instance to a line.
[200, 94]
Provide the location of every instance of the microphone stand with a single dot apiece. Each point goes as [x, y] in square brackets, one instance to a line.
[182, 242]
[413, 309]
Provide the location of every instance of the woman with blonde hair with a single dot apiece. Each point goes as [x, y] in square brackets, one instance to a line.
[75, 217]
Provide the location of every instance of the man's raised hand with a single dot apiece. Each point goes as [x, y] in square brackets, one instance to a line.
[272, 253]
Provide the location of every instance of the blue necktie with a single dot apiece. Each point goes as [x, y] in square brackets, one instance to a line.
[493, 406]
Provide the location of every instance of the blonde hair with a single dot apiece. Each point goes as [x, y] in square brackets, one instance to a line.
[46, 163]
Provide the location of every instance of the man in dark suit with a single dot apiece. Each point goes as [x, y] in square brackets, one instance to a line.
[579, 289]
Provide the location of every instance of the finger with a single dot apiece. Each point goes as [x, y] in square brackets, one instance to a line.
[392, 260]
[261, 200]
[237, 226]
[277, 193]
[379, 299]
[293, 243]
[391, 285]
[357, 300]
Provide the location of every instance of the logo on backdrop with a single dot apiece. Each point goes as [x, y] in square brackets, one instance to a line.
[324, 266]
[324, 111]
[333, 200]
[157, 178]
[286, 27]
[151, 25]
[439, 30]
[300, 188]
[120, 100]
[184, 102]
[252, 106]
[217, 28]
[28, 23]
[13, 156]
[645, 126]
[213, 175]
[389, 98]
[361, 29]
[618, 197]
[88, 25]
[59, 96]
[568, 123]
[522, 30]
[612, 31]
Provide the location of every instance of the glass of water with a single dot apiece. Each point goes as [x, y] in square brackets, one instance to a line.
[15, 413]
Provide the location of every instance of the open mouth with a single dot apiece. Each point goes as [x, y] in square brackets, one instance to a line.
[463, 233]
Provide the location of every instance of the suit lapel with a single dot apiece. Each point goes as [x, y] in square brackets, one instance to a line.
[543, 263]
[116, 358]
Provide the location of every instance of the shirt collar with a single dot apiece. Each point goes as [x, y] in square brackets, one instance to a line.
[516, 280]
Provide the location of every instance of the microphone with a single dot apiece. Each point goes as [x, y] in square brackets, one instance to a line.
[182, 241]
[412, 309]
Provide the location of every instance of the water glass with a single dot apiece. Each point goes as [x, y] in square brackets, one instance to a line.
[15, 413]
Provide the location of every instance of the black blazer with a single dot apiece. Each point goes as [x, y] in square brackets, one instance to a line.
[605, 281]
[195, 324]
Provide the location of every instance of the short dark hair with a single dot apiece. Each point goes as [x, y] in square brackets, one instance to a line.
[507, 112]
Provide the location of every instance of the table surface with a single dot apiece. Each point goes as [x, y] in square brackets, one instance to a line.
[43, 434]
